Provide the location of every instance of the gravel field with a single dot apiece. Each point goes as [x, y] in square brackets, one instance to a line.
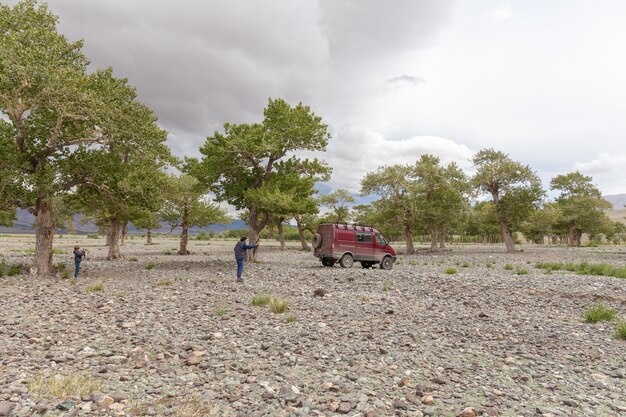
[183, 338]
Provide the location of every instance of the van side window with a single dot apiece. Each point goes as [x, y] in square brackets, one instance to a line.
[380, 240]
[364, 237]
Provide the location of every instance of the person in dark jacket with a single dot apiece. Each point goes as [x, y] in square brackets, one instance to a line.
[240, 255]
[78, 257]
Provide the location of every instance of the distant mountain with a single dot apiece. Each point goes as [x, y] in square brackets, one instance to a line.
[25, 223]
[618, 200]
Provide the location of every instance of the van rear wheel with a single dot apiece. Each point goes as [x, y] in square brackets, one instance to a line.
[346, 261]
[328, 261]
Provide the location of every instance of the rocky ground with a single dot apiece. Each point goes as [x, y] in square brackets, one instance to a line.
[183, 339]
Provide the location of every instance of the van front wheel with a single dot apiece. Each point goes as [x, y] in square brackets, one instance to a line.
[387, 263]
[346, 261]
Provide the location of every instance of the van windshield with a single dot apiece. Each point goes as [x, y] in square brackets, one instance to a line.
[380, 239]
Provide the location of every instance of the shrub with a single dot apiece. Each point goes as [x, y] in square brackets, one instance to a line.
[365, 298]
[450, 271]
[220, 311]
[61, 266]
[278, 305]
[62, 387]
[521, 271]
[508, 267]
[96, 288]
[150, 265]
[14, 270]
[2, 267]
[386, 285]
[164, 283]
[65, 275]
[290, 319]
[621, 331]
[260, 300]
[489, 264]
[203, 235]
[584, 268]
[94, 236]
[599, 312]
[465, 265]
[132, 259]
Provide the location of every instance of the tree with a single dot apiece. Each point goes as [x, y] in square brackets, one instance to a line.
[396, 186]
[48, 109]
[185, 207]
[245, 165]
[514, 188]
[337, 203]
[581, 205]
[541, 223]
[125, 176]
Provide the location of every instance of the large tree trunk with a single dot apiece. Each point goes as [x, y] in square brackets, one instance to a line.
[107, 235]
[184, 236]
[579, 235]
[507, 236]
[433, 234]
[254, 229]
[281, 234]
[303, 242]
[442, 237]
[42, 264]
[149, 236]
[571, 235]
[114, 239]
[124, 233]
[408, 237]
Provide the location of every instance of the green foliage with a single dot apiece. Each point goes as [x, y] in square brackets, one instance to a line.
[337, 204]
[620, 332]
[150, 265]
[584, 268]
[386, 285]
[96, 288]
[2, 267]
[290, 319]
[65, 275]
[261, 300]
[203, 235]
[465, 264]
[278, 305]
[521, 271]
[132, 259]
[60, 387]
[599, 312]
[450, 271]
[489, 264]
[220, 311]
[514, 188]
[14, 270]
[508, 267]
[164, 283]
[253, 167]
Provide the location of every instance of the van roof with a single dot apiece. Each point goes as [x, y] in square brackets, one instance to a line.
[350, 227]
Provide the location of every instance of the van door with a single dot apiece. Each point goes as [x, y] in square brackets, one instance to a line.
[379, 247]
[365, 246]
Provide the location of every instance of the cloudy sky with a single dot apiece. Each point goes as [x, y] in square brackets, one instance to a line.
[542, 81]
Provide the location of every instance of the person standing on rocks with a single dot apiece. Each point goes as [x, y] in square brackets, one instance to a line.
[240, 255]
[78, 257]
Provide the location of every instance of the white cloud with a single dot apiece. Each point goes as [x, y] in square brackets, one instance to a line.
[503, 11]
[353, 152]
[604, 164]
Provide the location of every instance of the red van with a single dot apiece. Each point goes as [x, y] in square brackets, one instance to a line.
[347, 244]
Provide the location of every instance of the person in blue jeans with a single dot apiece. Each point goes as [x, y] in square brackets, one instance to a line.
[240, 255]
[78, 257]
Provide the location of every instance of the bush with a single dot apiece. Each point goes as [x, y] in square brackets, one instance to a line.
[584, 268]
[260, 300]
[220, 311]
[150, 265]
[621, 331]
[450, 271]
[132, 259]
[14, 270]
[521, 271]
[278, 305]
[599, 312]
[63, 387]
[465, 265]
[96, 288]
[290, 319]
[203, 235]
[508, 267]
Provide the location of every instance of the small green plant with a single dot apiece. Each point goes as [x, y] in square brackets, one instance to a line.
[465, 264]
[290, 319]
[621, 330]
[2, 267]
[599, 312]
[489, 264]
[521, 271]
[261, 300]
[584, 268]
[450, 271]
[96, 288]
[132, 259]
[164, 283]
[220, 311]
[93, 236]
[150, 265]
[386, 285]
[278, 305]
[61, 266]
[14, 270]
[56, 251]
[508, 267]
[365, 298]
[65, 275]
[62, 387]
